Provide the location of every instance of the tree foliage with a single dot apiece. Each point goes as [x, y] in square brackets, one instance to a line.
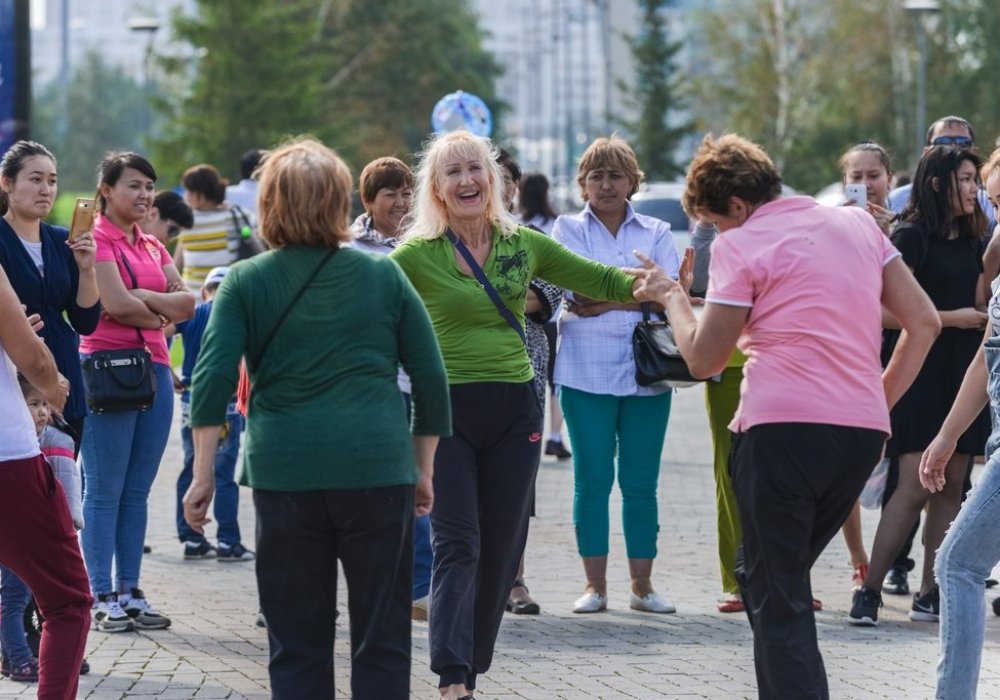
[102, 110]
[807, 80]
[361, 76]
[656, 94]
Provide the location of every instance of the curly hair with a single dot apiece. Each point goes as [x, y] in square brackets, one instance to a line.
[730, 166]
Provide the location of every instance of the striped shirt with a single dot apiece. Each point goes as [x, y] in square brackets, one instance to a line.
[213, 241]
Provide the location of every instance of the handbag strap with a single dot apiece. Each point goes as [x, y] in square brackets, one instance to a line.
[135, 285]
[506, 313]
[288, 310]
[647, 313]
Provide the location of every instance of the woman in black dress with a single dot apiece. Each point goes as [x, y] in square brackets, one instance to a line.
[940, 237]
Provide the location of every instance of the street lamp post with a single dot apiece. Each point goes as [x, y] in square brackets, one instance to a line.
[921, 10]
[148, 26]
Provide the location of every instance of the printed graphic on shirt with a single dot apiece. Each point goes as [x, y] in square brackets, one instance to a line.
[514, 274]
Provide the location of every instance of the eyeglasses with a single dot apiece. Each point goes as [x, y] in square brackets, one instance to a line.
[963, 141]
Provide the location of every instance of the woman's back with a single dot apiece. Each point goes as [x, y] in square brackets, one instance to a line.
[327, 381]
[813, 279]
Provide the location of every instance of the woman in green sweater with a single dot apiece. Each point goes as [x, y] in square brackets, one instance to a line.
[483, 473]
[335, 471]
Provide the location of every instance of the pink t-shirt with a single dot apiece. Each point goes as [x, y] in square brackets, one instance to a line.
[812, 279]
[147, 259]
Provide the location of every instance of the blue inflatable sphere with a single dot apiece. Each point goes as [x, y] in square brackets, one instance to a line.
[462, 110]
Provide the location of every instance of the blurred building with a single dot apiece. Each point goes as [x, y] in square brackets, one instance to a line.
[566, 63]
[64, 31]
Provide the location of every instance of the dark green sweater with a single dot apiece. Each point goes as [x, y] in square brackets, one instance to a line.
[328, 413]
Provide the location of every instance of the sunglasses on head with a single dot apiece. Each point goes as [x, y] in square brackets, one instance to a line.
[963, 141]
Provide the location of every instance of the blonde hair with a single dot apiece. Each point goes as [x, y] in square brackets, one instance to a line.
[609, 153]
[991, 164]
[304, 196]
[429, 218]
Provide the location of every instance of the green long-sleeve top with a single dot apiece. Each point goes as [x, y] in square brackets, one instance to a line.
[477, 343]
[325, 411]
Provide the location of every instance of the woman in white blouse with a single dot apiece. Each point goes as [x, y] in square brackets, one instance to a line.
[606, 412]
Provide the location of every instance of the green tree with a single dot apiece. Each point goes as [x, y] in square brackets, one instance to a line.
[102, 110]
[361, 76]
[656, 94]
[807, 80]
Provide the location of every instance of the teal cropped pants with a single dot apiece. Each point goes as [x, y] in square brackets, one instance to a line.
[600, 426]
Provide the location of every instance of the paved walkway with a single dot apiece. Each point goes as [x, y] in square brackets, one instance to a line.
[213, 649]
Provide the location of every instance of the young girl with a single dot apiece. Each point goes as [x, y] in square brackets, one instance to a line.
[19, 663]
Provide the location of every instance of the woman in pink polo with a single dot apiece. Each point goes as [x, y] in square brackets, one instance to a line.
[801, 287]
[141, 292]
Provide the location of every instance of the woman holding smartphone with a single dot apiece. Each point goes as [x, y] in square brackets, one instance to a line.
[52, 275]
[141, 292]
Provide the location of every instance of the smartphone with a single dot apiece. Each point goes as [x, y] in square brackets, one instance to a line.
[83, 217]
[859, 193]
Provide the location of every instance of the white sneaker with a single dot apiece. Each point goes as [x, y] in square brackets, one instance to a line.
[109, 616]
[651, 602]
[590, 602]
[143, 615]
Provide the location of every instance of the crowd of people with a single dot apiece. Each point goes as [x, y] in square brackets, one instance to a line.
[432, 335]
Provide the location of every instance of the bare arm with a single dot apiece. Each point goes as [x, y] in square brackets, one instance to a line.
[904, 299]
[26, 350]
[177, 304]
[971, 399]
[424, 447]
[991, 262]
[199, 494]
[705, 343]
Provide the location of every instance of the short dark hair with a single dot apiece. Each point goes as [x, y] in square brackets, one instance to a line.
[173, 208]
[533, 197]
[111, 169]
[206, 181]
[509, 163]
[383, 172]
[950, 120]
[249, 162]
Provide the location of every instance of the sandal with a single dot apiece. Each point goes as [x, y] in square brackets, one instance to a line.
[732, 604]
[521, 607]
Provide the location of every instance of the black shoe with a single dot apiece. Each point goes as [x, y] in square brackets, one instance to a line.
[864, 608]
[84, 667]
[555, 448]
[199, 550]
[927, 607]
[896, 583]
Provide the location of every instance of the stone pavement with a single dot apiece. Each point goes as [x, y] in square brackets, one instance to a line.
[213, 649]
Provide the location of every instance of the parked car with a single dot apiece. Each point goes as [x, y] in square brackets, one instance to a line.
[662, 200]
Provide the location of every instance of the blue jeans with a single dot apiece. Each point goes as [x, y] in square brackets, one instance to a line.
[227, 491]
[967, 556]
[14, 597]
[423, 554]
[121, 455]
[634, 427]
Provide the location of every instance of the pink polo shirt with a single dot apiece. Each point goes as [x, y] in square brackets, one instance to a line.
[147, 258]
[812, 279]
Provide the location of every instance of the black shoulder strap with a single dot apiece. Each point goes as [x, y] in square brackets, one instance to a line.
[284, 315]
[507, 314]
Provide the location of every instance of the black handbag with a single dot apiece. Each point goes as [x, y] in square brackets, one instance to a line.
[120, 380]
[658, 360]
